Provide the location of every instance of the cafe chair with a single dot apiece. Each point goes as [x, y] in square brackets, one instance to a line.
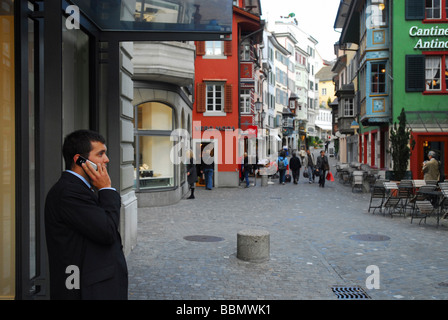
[405, 193]
[378, 192]
[443, 185]
[420, 196]
[425, 209]
[391, 205]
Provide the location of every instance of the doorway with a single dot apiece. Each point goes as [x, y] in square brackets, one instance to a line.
[425, 142]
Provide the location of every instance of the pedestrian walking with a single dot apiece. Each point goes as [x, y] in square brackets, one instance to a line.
[295, 164]
[81, 225]
[207, 169]
[246, 169]
[322, 167]
[282, 166]
[192, 175]
[309, 164]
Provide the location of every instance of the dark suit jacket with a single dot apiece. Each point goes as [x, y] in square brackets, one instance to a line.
[82, 230]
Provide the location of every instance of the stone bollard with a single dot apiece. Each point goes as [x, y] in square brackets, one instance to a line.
[264, 180]
[253, 245]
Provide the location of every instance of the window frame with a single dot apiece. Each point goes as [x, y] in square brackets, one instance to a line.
[348, 104]
[214, 104]
[379, 74]
[443, 56]
[245, 101]
[141, 133]
[442, 11]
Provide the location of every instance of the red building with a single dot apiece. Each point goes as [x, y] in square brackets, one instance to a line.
[225, 86]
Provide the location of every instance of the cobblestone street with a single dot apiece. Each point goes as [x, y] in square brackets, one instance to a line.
[313, 247]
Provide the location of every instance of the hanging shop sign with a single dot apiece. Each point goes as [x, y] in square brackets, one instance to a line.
[429, 37]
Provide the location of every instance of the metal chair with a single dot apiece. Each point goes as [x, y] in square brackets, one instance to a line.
[444, 204]
[431, 182]
[405, 193]
[391, 205]
[378, 192]
[425, 209]
[419, 196]
[443, 185]
[358, 177]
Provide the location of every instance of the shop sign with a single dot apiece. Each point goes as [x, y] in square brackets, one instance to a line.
[439, 37]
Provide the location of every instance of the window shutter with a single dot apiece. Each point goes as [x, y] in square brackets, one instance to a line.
[200, 98]
[228, 98]
[200, 48]
[415, 73]
[415, 10]
[227, 48]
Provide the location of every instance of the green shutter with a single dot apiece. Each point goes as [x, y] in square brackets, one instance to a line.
[415, 73]
[415, 9]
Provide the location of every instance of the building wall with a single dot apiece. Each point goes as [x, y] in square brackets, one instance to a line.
[406, 43]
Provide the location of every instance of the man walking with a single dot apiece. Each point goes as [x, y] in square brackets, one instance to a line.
[309, 163]
[322, 167]
[295, 165]
[82, 226]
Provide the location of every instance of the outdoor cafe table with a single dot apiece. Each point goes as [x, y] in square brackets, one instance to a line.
[436, 196]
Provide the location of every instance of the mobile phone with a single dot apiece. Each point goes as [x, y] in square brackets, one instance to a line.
[82, 160]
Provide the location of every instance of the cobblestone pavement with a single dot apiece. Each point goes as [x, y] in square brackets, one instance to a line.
[312, 247]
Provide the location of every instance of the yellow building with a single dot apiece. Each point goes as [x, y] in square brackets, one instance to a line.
[326, 85]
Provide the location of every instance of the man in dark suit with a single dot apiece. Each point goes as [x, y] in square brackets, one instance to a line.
[84, 245]
[322, 166]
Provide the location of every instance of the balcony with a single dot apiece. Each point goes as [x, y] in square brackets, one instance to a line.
[171, 62]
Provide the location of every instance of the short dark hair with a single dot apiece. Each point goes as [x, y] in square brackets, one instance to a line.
[79, 141]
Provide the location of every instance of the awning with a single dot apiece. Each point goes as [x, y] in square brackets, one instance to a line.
[324, 126]
[427, 121]
[137, 18]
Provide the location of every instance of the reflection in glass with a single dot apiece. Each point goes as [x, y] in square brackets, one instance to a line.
[159, 15]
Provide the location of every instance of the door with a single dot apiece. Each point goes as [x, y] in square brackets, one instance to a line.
[426, 142]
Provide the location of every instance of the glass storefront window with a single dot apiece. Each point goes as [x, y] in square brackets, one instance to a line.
[154, 168]
[75, 73]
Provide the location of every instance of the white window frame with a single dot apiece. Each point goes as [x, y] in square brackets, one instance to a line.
[212, 98]
[349, 108]
[245, 101]
[433, 10]
[214, 49]
[430, 72]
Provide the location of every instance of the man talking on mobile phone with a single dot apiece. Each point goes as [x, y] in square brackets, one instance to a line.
[82, 225]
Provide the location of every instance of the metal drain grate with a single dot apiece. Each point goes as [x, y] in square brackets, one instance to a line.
[350, 293]
[203, 238]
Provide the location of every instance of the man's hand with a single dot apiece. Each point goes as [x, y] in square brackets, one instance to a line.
[99, 179]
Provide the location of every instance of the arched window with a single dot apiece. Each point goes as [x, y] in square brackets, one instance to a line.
[154, 123]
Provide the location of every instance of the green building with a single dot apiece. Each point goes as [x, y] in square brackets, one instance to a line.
[419, 50]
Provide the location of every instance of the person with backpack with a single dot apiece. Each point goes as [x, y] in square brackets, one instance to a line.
[282, 166]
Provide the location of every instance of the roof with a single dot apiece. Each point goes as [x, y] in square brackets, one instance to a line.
[325, 73]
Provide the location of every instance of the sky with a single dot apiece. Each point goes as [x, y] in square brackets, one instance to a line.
[315, 17]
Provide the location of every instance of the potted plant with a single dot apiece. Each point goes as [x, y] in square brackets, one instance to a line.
[399, 149]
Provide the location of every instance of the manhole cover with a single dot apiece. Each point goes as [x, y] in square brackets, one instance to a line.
[201, 238]
[369, 237]
[350, 293]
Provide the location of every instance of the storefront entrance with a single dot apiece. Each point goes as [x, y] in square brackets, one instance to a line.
[425, 142]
